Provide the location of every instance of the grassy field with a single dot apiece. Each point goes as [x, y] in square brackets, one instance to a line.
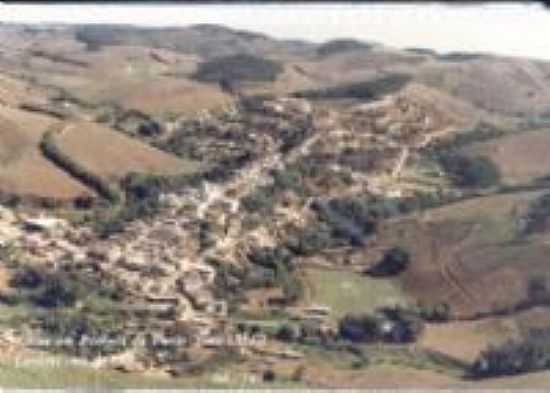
[50, 371]
[348, 292]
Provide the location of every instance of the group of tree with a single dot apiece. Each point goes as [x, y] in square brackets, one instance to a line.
[470, 172]
[394, 261]
[537, 218]
[238, 67]
[279, 262]
[392, 325]
[530, 353]
[370, 89]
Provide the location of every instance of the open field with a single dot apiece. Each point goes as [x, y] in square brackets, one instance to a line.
[348, 292]
[152, 81]
[113, 155]
[521, 158]
[166, 95]
[475, 336]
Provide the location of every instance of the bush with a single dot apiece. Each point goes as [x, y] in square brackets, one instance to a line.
[538, 290]
[57, 292]
[269, 376]
[537, 218]
[312, 240]
[28, 278]
[514, 357]
[394, 262]
[349, 219]
[436, 313]
[392, 325]
[362, 328]
[474, 172]
[271, 258]
[262, 200]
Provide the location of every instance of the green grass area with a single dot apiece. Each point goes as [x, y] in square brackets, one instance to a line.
[58, 372]
[348, 292]
[415, 358]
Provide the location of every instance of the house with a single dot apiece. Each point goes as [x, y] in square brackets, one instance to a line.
[43, 224]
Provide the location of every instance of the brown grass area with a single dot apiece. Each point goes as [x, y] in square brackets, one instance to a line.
[465, 255]
[384, 376]
[521, 158]
[135, 78]
[23, 168]
[506, 85]
[389, 376]
[166, 94]
[110, 154]
[465, 340]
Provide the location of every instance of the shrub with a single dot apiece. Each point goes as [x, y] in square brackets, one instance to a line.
[312, 240]
[537, 218]
[56, 292]
[27, 278]
[474, 172]
[436, 313]
[348, 219]
[262, 200]
[394, 262]
[269, 376]
[363, 328]
[513, 357]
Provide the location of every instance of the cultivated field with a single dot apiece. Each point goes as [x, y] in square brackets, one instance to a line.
[112, 155]
[24, 170]
[475, 336]
[466, 254]
[521, 158]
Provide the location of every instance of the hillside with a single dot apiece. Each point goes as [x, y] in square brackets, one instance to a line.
[272, 213]
[23, 169]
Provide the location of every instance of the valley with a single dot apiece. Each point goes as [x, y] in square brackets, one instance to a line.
[270, 213]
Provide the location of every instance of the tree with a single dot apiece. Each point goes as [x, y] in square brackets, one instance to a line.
[395, 261]
[362, 328]
[56, 293]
